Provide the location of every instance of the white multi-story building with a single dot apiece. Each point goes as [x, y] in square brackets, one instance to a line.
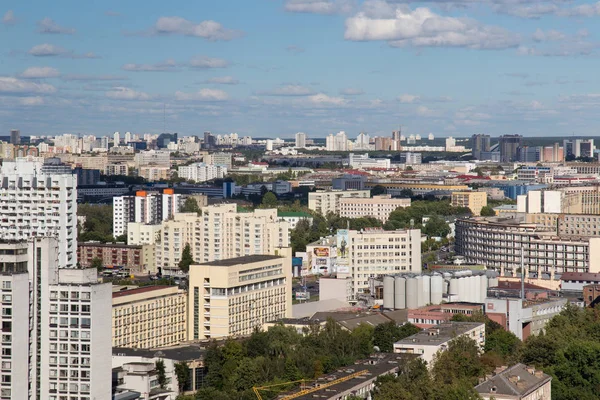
[301, 140]
[38, 199]
[116, 139]
[220, 232]
[338, 142]
[363, 161]
[201, 172]
[153, 158]
[329, 201]
[379, 207]
[144, 207]
[362, 142]
[142, 233]
[63, 350]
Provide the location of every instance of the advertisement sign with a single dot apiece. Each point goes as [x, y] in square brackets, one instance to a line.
[321, 261]
[302, 295]
[343, 249]
[321, 251]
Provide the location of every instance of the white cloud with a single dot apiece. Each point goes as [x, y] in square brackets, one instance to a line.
[208, 62]
[83, 77]
[40, 72]
[425, 111]
[327, 7]
[323, 99]
[408, 98]
[124, 93]
[50, 50]
[529, 11]
[9, 18]
[583, 10]
[352, 92]
[202, 95]
[14, 85]
[47, 25]
[422, 28]
[567, 49]
[223, 80]
[168, 65]
[548, 36]
[31, 101]
[289, 90]
[209, 30]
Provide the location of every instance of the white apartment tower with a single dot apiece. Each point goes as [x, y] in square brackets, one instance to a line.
[63, 350]
[38, 199]
[127, 137]
[201, 172]
[149, 208]
[116, 139]
[301, 140]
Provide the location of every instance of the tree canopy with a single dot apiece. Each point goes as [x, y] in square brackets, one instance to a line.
[190, 206]
[269, 200]
[487, 211]
[186, 258]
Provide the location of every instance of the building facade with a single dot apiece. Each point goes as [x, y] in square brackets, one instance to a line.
[144, 207]
[201, 172]
[474, 201]
[379, 207]
[111, 254]
[149, 317]
[232, 297]
[329, 201]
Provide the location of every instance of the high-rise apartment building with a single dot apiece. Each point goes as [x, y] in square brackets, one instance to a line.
[362, 142]
[149, 208]
[508, 147]
[38, 199]
[575, 148]
[63, 350]
[220, 232]
[301, 140]
[480, 143]
[15, 137]
[337, 142]
[116, 139]
[201, 172]
[233, 297]
[219, 158]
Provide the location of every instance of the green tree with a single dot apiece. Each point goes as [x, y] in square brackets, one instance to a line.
[487, 211]
[269, 200]
[161, 375]
[97, 263]
[384, 335]
[121, 238]
[459, 362]
[437, 227]
[377, 190]
[406, 193]
[186, 258]
[182, 371]
[190, 206]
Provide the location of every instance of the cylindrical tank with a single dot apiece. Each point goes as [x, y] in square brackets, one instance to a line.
[475, 288]
[462, 289]
[426, 290]
[468, 272]
[493, 282]
[483, 282]
[453, 288]
[388, 292]
[420, 294]
[400, 293]
[437, 289]
[411, 293]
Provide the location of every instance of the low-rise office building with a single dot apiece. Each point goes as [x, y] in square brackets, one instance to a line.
[518, 382]
[149, 317]
[232, 297]
[329, 201]
[474, 201]
[428, 342]
[111, 254]
[379, 207]
[429, 316]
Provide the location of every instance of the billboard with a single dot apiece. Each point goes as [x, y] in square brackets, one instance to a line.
[302, 295]
[321, 251]
[342, 247]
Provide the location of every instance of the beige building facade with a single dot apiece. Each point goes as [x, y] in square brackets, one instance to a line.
[329, 201]
[474, 201]
[234, 296]
[139, 233]
[149, 317]
[379, 207]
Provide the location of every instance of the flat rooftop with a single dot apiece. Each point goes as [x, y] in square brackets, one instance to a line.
[144, 289]
[439, 334]
[189, 352]
[241, 260]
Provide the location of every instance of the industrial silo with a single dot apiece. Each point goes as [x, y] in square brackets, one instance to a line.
[420, 294]
[493, 282]
[400, 293]
[462, 289]
[411, 293]
[437, 289]
[483, 282]
[453, 288]
[426, 290]
[388, 292]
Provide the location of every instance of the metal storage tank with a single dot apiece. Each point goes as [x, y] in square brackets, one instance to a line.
[388, 292]
[483, 282]
[400, 293]
[437, 289]
[492, 282]
[475, 288]
[426, 289]
[453, 287]
[420, 294]
[462, 289]
[411, 293]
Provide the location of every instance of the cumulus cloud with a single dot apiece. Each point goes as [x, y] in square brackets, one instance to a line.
[50, 50]
[326, 7]
[39, 73]
[533, 11]
[14, 85]
[408, 98]
[576, 48]
[223, 80]
[124, 93]
[9, 18]
[548, 36]
[202, 95]
[352, 92]
[583, 10]
[323, 99]
[168, 65]
[425, 111]
[209, 30]
[31, 101]
[207, 62]
[83, 77]
[47, 25]
[401, 27]
[289, 90]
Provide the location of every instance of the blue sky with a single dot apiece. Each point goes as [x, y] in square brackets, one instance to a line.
[276, 67]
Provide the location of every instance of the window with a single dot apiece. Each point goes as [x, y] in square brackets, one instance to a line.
[6, 284]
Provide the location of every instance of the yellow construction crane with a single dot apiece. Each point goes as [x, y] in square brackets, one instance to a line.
[309, 390]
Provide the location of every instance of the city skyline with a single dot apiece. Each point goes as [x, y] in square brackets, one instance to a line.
[451, 68]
